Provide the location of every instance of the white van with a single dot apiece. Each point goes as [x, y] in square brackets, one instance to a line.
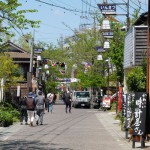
[81, 98]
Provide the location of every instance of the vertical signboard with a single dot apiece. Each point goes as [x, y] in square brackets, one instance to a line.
[128, 111]
[139, 113]
[120, 99]
[124, 105]
[18, 91]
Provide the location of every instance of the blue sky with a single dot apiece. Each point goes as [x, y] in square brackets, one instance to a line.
[60, 17]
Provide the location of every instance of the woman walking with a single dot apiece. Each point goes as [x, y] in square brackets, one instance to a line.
[50, 97]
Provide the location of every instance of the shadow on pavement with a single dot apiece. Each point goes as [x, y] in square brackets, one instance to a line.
[28, 145]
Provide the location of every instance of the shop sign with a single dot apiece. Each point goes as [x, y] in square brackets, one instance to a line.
[124, 105]
[107, 9]
[128, 111]
[139, 113]
[108, 34]
[38, 50]
[99, 49]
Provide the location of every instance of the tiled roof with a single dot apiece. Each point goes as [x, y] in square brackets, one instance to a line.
[142, 19]
[18, 55]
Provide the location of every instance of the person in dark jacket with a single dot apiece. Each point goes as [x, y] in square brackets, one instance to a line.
[23, 110]
[40, 106]
[67, 100]
[30, 109]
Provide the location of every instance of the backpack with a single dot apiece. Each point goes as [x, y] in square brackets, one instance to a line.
[23, 104]
[30, 103]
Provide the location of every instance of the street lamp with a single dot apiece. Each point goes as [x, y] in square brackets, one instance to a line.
[106, 24]
[99, 57]
[106, 45]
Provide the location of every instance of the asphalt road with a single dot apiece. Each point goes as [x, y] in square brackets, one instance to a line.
[83, 129]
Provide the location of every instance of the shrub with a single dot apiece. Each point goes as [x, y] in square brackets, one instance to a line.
[113, 106]
[120, 117]
[8, 114]
[6, 118]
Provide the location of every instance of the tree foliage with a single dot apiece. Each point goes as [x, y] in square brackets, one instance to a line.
[116, 50]
[9, 71]
[12, 17]
[136, 80]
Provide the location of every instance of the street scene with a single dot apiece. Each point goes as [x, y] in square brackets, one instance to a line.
[74, 74]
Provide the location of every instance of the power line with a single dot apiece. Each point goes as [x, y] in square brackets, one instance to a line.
[53, 26]
[68, 9]
[63, 3]
[88, 4]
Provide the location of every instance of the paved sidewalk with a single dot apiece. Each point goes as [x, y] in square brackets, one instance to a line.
[108, 120]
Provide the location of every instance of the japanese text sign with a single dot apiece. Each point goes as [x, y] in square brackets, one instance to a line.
[139, 113]
[128, 111]
[107, 8]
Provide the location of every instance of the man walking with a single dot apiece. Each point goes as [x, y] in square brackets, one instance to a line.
[67, 100]
[40, 106]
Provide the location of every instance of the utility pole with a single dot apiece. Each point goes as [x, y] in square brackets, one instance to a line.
[30, 73]
[128, 18]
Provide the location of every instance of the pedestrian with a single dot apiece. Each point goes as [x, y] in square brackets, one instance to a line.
[67, 100]
[50, 97]
[40, 106]
[23, 110]
[30, 109]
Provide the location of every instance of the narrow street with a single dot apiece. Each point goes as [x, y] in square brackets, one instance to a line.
[83, 129]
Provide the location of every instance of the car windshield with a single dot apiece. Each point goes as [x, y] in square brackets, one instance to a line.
[82, 94]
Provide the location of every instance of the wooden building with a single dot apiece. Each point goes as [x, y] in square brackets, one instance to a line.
[22, 58]
[135, 46]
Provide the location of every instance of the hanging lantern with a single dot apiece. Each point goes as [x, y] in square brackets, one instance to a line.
[106, 45]
[106, 24]
[46, 66]
[99, 57]
[39, 57]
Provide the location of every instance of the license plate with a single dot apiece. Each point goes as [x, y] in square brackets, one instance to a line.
[82, 104]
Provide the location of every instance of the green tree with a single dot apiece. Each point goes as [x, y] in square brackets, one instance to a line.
[115, 53]
[81, 49]
[12, 17]
[9, 71]
[24, 42]
[135, 16]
